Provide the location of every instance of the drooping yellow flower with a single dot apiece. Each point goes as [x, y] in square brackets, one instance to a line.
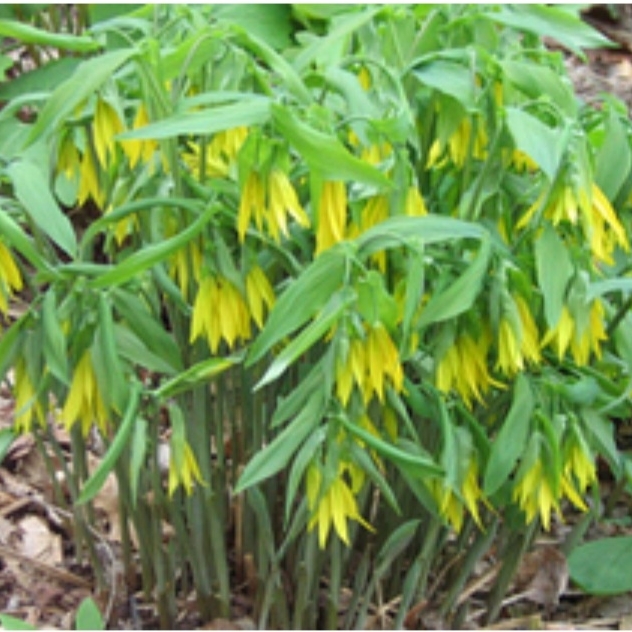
[27, 407]
[68, 161]
[139, 150]
[332, 215]
[89, 181]
[579, 465]
[219, 155]
[183, 471]
[364, 77]
[219, 313]
[376, 153]
[251, 204]
[84, 402]
[107, 124]
[185, 264]
[375, 210]
[10, 277]
[516, 346]
[463, 367]
[458, 145]
[282, 201]
[566, 334]
[259, 294]
[371, 363]
[534, 494]
[414, 206]
[333, 505]
[449, 504]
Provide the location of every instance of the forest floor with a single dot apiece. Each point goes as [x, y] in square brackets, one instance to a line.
[43, 583]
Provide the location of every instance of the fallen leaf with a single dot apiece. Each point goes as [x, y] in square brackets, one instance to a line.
[543, 576]
[38, 542]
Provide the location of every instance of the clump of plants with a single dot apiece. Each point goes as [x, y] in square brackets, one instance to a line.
[362, 269]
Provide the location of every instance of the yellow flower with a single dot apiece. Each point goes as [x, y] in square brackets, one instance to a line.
[219, 312]
[414, 206]
[107, 125]
[10, 277]
[375, 210]
[449, 505]
[463, 367]
[332, 215]
[26, 404]
[579, 465]
[183, 469]
[139, 149]
[84, 402]
[68, 158]
[329, 505]
[282, 200]
[251, 204]
[514, 347]
[534, 494]
[566, 334]
[220, 154]
[89, 180]
[370, 363]
[364, 77]
[259, 294]
[376, 153]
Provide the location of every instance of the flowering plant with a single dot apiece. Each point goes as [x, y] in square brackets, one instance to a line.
[373, 279]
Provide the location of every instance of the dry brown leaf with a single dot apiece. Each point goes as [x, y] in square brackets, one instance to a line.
[38, 542]
[543, 576]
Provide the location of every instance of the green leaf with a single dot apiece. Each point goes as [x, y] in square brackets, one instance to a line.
[603, 567]
[134, 350]
[55, 350]
[399, 231]
[7, 436]
[41, 79]
[275, 456]
[544, 144]
[201, 372]
[68, 95]
[20, 241]
[396, 542]
[98, 477]
[540, 82]
[268, 22]
[301, 300]
[248, 111]
[32, 35]
[554, 270]
[599, 288]
[460, 295]
[323, 322]
[423, 466]
[138, 450]
[12, 623]
[33, 192]
[614, 158]
[88, 616]
[150, 255]
[511, 440]
[555, 22]
[323, 152]
[450, 77]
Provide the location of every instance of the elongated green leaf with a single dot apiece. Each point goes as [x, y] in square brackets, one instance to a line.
[614, 158]
[511, 440]
[33, 192]
[325, 153]
[544, 144]
[396, 542]
[55, 350]
[37, 84]
[138, 449]
[250, 111]
[32, 35]
[150, 255]
[134, 350]
[310, 335]
[559, 23]
[276, 455]
[599, 288]
[98, 477]
[20, 241]
[450, 77]
[395, 232]
[84, 81]
[202, 371]
[271, 23]
[9, 345]
[538, 80]
[554, 269]
[460, 295]
[149, 330]
[13, 623]
[422, 465]
[603, 567]
[301, 300]
[7, 436]
[108, 366]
